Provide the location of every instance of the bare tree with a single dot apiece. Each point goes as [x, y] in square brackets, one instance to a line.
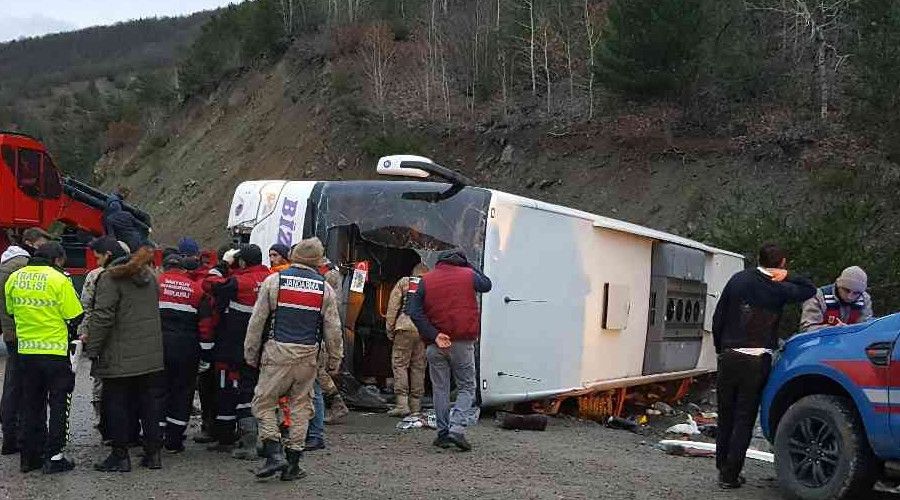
[529, 4]
[816, 27]
[546, 43]
[378, 57]
[287, 8]
[569, 66]
[504, 92]
[592, 33]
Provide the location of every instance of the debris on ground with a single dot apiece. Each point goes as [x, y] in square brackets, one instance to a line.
[709, 430]
[528, 422]
[690, 428]
[672, 447]
[685, 451]
[663, 408]
[622, 423]
[426, 419]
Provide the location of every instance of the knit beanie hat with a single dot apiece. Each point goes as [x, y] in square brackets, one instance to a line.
[309, 252]
[282, 250]
[188, 246]
[854, 279]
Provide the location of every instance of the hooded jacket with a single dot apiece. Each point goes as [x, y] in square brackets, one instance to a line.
[13, 259]
[125, 336]
[122, 225]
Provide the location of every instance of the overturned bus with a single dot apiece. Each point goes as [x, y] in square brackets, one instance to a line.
[580, 302]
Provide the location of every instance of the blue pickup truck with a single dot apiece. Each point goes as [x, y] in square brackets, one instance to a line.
[831, 409]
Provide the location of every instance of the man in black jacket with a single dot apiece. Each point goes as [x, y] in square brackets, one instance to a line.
[745, 331]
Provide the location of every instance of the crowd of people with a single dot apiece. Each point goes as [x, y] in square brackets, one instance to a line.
[263, 347]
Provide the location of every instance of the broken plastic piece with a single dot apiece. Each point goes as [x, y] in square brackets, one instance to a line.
[753, 454]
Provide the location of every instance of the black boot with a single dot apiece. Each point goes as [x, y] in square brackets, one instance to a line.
[117, 461]
[152, 459]
[9, 446]
[206, 436]
[29, 463]
[61, 465]
[293, 471]
[275, 461]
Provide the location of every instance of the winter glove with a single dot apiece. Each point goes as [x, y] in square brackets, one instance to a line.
[203, 366]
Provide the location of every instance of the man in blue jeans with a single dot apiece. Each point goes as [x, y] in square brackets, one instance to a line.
[445, 311]
[315, 433]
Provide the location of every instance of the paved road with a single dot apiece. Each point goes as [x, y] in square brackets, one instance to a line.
[367, 458]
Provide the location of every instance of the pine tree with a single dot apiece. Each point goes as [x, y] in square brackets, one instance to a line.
[650, 48]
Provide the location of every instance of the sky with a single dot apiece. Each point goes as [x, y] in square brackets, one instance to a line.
[23, 18]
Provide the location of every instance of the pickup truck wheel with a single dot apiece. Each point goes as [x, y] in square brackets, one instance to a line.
[821, 450]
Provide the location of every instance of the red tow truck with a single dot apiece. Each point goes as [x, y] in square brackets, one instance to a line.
[33, 193]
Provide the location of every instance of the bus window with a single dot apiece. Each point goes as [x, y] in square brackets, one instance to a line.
[28, 172]
[51, 186]
[9, 157]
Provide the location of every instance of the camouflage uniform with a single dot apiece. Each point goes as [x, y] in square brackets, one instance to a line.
[288, 369]
[408, 355]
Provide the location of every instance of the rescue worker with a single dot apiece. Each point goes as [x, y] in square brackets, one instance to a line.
[235, 294]
[47, 311]
[844, 302]
[408, 352]
[14, 258]
[125, 343]
[185, 317]
[191, 260]
[122, 225]
[304, 312]
[745, 333]
[279, 257]
[325, 388]
[445, 311]
[207, 384]
[106, 249]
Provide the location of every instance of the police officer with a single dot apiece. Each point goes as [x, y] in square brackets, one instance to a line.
[185, 317]
[844, 302]
[47, 311]
[15, 257]
[303, 309]
[235, 294]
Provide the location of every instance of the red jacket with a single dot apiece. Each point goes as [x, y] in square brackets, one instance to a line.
[446, 301]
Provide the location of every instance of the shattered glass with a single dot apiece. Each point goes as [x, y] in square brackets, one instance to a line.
[421, 216]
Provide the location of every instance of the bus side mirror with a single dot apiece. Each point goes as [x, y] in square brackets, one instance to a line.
[403, 166]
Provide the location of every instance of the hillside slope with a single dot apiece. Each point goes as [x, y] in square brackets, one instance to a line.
[288, 123]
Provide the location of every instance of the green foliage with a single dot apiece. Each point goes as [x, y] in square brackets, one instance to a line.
[651, 48]
[820, 243]
[34, 64]
[235, 38]
[376, 146]
[342, 82]
[877, 61]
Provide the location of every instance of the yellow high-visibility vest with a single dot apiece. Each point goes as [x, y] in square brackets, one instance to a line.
[41, 299]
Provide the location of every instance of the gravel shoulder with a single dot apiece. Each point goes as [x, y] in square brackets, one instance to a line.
[368, 458]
